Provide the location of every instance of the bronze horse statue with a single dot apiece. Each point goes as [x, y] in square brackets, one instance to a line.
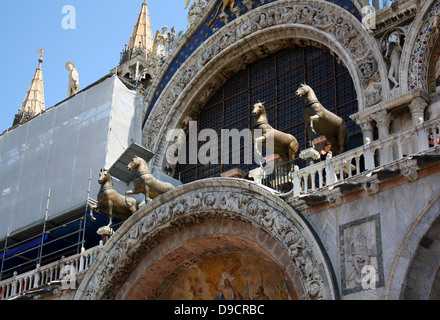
[285, 145]
[144, 182]
[321, 121]
[109, 198]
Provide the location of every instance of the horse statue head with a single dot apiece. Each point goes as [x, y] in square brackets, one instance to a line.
[302, 90]
[104, 176]
[258, 109]
[144, 182]
[140, 164]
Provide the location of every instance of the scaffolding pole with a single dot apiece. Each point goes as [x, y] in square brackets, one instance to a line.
[4, 254]
[40, 254]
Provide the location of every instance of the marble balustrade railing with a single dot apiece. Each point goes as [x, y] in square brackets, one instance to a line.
[66, 267]
[365, 158]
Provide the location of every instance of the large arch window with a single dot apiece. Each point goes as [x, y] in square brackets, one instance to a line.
[274, 80]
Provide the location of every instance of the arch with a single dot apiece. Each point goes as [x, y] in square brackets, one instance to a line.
[403, 262]
[186, 210]
[253, 36]
[189, 252]
[423, 270]
[417, 50]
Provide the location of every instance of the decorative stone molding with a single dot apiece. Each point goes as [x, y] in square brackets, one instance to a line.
[398, 13]
[335, 200]
[360, 246]
[383, 119]
[423, 40]
[372, 187]
[417, 108]
[253, 36]
[411, 174]
[390, 104]
[193, 203]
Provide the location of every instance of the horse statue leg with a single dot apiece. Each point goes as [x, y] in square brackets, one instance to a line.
[311, 132]
[129, 193]
[92, 209]
[147, 193]
[110, 212]
[258, 149]
[293, 149]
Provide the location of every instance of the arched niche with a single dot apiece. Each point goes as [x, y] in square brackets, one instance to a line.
[197, 218]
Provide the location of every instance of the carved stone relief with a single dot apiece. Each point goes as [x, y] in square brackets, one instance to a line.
[361, 255]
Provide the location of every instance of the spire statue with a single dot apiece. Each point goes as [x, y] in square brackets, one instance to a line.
[73, 87]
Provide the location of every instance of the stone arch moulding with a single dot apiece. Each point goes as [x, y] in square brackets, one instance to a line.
[252, 36]
[419, 47]
[401, 265]
[193, 204]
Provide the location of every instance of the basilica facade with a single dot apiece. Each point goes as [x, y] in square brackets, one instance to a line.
[361, 225]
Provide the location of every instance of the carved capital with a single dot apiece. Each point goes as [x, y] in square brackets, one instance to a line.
[417, 108]
[365, 124]
[383, 118]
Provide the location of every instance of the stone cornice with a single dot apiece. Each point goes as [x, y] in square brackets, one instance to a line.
[398, 13]
[391, 104]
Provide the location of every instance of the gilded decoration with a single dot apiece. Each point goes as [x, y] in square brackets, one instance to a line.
[227, 274]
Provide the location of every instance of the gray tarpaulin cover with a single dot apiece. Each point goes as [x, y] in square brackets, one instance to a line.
[59, 149]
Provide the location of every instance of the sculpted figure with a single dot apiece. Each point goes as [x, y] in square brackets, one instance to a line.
[393, 53]
[195, 11]
[109, 198]
[144, 181]
[285, 145]
[161, 43]
[360, 254]
[320, 120]
[73, 87]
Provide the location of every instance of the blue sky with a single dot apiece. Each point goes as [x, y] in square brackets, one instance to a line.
[103, 27]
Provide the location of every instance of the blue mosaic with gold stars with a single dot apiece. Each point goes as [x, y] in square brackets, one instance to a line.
[205, 31]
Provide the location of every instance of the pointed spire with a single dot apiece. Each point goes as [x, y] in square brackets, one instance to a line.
[141, 40]
[33, 103]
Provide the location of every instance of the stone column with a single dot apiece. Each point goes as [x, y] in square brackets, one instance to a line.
[417, 108]
[367, 129]
[383, 119]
